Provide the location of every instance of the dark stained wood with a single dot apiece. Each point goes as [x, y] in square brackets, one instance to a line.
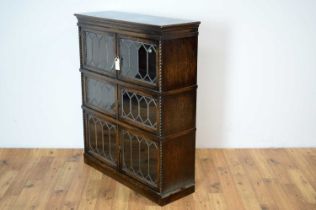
[179, 112]
[139, 25]
[136, 18]
[179, 63]
[177, 153]
[149, 116]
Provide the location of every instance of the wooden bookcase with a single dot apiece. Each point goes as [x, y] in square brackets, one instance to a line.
[139, 86]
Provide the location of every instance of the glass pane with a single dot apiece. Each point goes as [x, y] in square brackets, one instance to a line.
[100, 51]
[101, 138]
[140, 157]
[139, 108]
[100, 94]
[138, 60]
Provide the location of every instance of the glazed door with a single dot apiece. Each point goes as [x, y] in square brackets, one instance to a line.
[138, 61]
[139, 108]
[100, 139]
[140, 156]
[99, 51]
[100, 95]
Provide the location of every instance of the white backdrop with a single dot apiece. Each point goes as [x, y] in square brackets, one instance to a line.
[256, 70]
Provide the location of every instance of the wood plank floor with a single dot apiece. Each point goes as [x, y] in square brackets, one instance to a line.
[232, 179]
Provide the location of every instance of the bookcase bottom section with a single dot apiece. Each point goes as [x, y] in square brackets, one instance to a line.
[161, 199]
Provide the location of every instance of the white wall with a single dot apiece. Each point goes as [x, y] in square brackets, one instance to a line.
[256, 75]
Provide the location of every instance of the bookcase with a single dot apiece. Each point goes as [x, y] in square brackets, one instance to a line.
[139, 82]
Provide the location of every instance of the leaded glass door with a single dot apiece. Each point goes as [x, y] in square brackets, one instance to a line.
[139, 59]
[99, 51]
[140, 156]
[139, 108]
[100, 138]
[100, 95]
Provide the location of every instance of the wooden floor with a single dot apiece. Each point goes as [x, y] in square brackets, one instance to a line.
[225, 179]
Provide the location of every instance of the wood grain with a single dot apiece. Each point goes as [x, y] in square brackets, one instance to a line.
[238, 179]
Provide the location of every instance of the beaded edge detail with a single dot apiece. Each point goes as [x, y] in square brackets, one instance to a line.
[160, 114]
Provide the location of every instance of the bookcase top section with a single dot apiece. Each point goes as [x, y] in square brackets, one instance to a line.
[116, 16]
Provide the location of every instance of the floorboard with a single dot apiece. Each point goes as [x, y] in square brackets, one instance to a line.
[226, 179]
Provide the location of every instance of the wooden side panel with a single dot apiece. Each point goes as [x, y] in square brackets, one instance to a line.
[179, 112]
[178, 159]
[179, 63]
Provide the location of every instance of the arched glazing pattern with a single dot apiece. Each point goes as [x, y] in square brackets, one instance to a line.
[139, 108]
[140, 157]
[100, 50]
[138, 60]
[101, 138]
